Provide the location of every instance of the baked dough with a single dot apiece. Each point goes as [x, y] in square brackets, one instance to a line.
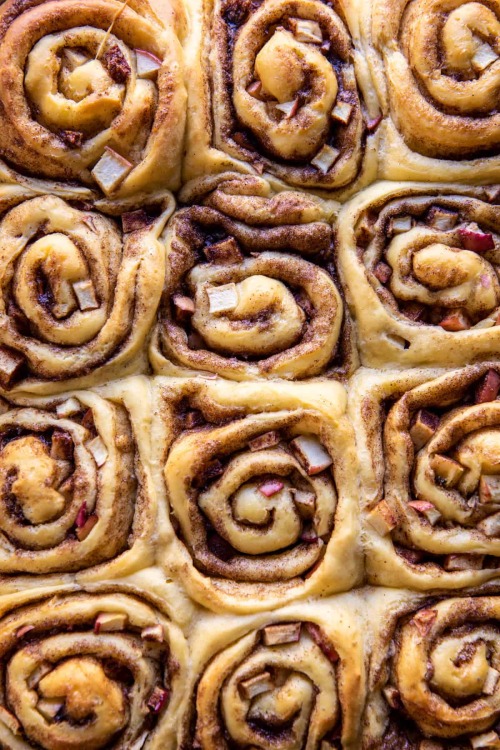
[420, 266]
[269, 255]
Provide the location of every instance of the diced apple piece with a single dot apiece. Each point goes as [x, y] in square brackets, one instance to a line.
[490, 526]
[254, 686]
[318, 636]
[134, 220]
[270, 487]
[255, 89]
[400, 224]
[153, 633]
[455, 320]
[225, 251]
[157, 700]
[10, 721]
[382, 272]
[426, 509]
[61, 447]
[311, 454]
[485, 741]
[463, 562]
[382, 518]
[82, 515]
[11, 366]
[373, 123]
[342, 112]
[110, 622]
[392, 696]
[21, 632]
[68, 408]
[413, 310]
[424, 620]
[490, 682]
[489, 388]
[423, 428]
[184, 304]
[111, 170]
[83, 532]
[148, 64]
[222, 298]
[98, 450]
[473, 238]
[306, 31]
[49, 708]
[289, 109]
[305, 502]
[483, 57]
[309, 535]
[85, 294]
[485, 323]
[325, 158]
[39, 673]
[489, 489]
[286, 632]
[267, 440]
[441, 218]
[447, 469]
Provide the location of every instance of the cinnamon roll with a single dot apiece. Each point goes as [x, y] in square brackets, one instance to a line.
[429, 455]
[246, 295]
[92, 92]
[436, 68]
[293, 679]
[78, 292]
[434, 674]
[279, 86]
[421, 264]
[89, 670]
[259, 484]
[75, 491]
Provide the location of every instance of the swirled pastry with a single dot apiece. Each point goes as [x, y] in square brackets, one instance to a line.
[293, 679]
[429, 455]
[436, 68]
[420, 263]
[92, 92]
[89, 671]
[251, 287]
[259, 481]
[74, 488]
[434, 673]
[278, 86]
[78, 292]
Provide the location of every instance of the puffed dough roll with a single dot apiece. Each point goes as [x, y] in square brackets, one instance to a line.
[295, 678]
[78, 291]
[259, 480]
[436, 69]
[420, 264]
[434, 673]
[428, 445]
[101, 670]
[280, 87]
[251, 285]
[93, 92]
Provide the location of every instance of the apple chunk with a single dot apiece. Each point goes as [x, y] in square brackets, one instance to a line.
[311, 454]
[111, 170]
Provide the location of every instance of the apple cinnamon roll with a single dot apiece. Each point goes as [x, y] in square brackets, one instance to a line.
[74, 489]
[435, 674]
[78, 292]
[279, 87]
[92, 92]
[295, 679]
[429, 454]
[251, 286]
[89, 670]
[436, 68]
[421, 264]
[258, 484]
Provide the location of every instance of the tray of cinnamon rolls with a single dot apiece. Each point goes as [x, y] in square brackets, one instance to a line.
[250, 375]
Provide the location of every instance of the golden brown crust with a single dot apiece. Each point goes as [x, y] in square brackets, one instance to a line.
[274, 253]
[420, 265]
[263, 80]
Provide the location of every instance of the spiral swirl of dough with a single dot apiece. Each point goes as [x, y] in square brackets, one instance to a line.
[442, 62]
[79, 672]
[75, 294]
[71, 85]
[299, 707]
[443, 660]
[289, 65]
